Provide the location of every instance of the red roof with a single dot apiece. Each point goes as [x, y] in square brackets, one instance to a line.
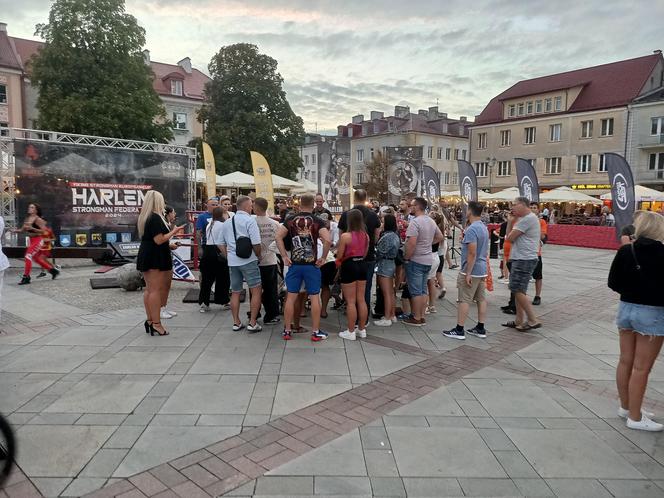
[26, 49]
[609, 85]
[8, 56]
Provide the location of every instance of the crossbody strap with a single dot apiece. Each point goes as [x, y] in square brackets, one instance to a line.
[638, 266]
[234, 232]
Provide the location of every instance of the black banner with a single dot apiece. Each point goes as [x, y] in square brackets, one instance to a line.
[467, 181]
[403, 172]
[335, 174]
[430, 184]
[622, 190]
[527, 178]
[93, 195]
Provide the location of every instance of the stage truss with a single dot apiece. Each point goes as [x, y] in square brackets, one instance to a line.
[7, 169]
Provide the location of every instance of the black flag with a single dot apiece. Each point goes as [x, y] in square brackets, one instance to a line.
[527, 178]
[467, 181]
[622, 190]
[430, 185]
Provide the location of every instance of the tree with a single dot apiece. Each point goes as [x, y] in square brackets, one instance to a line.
[246, 109]
[376, 169]
[91, 74]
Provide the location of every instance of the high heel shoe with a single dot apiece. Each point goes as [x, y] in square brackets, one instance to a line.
[153, 330]
[147, 326]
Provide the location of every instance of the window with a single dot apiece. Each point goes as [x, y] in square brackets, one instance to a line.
[547, 105]
[3, 94]
[529, 107]
[512, 110]
[481, 169]
[4, 129]
[553, 165]
[455, 178]
[306, 160]
[447, 178]
[439, 153]
[176, 87]
[656, 164]
[504, 168]
[586, 129]
[456, 153]
[179, 121]
[360, 178]
[505, 138]
[583, 163]
[601, 167]
[529, 135]
[607, 127]
[558, 103]
[306, 175]
[448, 153]
[360, 155]
[481, 140]
[430, 152]
[656, 124]
[371, 154]
[521, 108]
[313, 158]
[554, 132]
[538, 106]
[463, 154]
[313, 176]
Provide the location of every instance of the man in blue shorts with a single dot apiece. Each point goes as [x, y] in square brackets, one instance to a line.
[299, 234]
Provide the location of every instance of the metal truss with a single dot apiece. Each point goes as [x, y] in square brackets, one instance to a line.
[8, 193]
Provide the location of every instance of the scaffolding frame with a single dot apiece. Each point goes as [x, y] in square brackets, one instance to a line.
[7, 162]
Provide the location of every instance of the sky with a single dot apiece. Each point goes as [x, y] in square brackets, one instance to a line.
[341, 58]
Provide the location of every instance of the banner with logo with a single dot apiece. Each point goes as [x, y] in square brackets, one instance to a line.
[90, 195]
[180, 270]
[335, 175]
[430, 184]
[467, 181]
[622, 190]
[210, 171]
[404, 173]
[527, 178]
[263, 179]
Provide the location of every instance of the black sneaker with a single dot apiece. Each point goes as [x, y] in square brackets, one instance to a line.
[537, 300]
[54, 272]
[510, 311]
[272, 321]
[481, 333]
[42, 274]
[25, 279]
[508, 307]
[455, 334]
[286, 335]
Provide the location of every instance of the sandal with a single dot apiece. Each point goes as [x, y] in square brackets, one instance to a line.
[527, 326]
[511, 325]
[298, 330]
[153, 330]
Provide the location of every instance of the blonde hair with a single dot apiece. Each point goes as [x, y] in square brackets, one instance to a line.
[649, 225]
[153, 203]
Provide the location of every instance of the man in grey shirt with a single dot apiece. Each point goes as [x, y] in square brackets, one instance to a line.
[525, 239]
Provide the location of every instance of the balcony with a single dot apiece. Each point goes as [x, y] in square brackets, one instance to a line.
[652, 142]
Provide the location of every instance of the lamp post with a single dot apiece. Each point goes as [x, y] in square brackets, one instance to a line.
[491, 161]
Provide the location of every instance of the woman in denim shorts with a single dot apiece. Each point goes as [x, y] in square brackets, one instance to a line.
[637, 274]
[387, 249]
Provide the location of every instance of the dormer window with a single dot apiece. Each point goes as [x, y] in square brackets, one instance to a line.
[176, 87]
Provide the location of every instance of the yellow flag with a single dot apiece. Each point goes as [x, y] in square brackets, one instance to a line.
[263, 179]
[210, 171]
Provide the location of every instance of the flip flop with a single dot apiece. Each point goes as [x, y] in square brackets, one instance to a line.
[538, 325]
[511, 325]
[524, 328]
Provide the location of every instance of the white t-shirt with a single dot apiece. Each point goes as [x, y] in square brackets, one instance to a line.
[268, 230]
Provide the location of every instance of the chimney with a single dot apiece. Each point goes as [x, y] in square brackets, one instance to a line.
[463, 119]
[3, 27]
[367, 128]
[445, 128]
[423, 112]
[377, 115]
[358, 119]
[433, 113]
[146, 56]
[462, 129]
[342, 131]
[442, 115]
[401, 111]
[185, 64]
[658, 51]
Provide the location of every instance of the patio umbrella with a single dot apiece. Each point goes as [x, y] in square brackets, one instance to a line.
[236, 179]
[642, 194]
[308, 187]
[456, 195]
[200, 176]
[566, 194]
[279, 182]
[506, 195]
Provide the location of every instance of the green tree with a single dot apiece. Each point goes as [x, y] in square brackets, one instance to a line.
[376, 170]
[91, 75]
[247, 110]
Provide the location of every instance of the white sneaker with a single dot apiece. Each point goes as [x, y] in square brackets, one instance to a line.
[225, 307]
[164, 313]
[254, 328]
[173, 313]
[361, 333]
[645, 424]
[624, 413]
[204, 308]
[383, 322]
[346, 334]
[427, 311]
[395, 319]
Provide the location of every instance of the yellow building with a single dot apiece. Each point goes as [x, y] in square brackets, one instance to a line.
[563, 124]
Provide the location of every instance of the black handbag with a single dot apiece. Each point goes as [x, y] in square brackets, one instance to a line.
[212, 251]
[243, 246]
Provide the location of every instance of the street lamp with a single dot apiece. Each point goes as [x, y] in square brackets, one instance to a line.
[491, 161]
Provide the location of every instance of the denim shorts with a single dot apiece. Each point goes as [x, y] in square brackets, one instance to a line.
[307, 274]
[520, 273]
[249, 273]
[417, 275]
[641, 318]
[386, 268]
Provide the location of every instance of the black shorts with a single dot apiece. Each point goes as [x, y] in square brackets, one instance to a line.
[441, 257]
[405, 293]
[327, 273]
[352, 271]
[537, 272]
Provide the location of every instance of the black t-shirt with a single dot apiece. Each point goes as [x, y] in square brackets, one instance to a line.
[371, 221]
[153, 256]
[302, 238]
[320, 211]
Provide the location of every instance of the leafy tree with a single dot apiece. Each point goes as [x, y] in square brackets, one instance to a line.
[91, 75]
[376, 170]
[247, 110]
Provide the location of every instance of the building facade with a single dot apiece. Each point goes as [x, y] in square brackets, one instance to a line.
[645, 144]
[12, 82]
[443, 141]
[315, 150]
[563, 124]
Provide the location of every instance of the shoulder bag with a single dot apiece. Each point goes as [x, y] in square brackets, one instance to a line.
[243, 246]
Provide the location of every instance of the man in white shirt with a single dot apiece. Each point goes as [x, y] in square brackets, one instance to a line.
[268, 261]
[243, 268]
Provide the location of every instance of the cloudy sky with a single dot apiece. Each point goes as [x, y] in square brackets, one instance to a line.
[341, 58]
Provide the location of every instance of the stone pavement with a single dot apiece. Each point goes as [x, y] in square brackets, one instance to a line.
[100, 405]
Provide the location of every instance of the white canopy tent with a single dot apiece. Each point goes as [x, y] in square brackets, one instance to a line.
[566, 194]
[455, 194]
[642, 194]
[200, 177]
[506, 195]
[236, 179]
[281, 183]
[308, 187]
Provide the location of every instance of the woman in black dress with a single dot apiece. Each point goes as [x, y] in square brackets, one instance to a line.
[154, 257]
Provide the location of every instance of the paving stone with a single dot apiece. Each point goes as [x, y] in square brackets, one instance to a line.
[380, 463]
[408, 421]
[114, 419]
[488, 487]
[350, 486]
[632, 488]
[288, 486]
[515, 464]
[124, 437]
[50, 486]
[104, 463]
[387, 486]
[83, 485]
[206, 398]
[223, 420]
[292, 396]
[431, 487]
[496, 439]
[533, 487]
[374, 438]
[55, 419]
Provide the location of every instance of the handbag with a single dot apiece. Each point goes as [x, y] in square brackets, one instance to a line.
[243, 246]
[210, 249]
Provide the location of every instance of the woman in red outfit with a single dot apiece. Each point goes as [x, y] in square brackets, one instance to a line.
[34, 225]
